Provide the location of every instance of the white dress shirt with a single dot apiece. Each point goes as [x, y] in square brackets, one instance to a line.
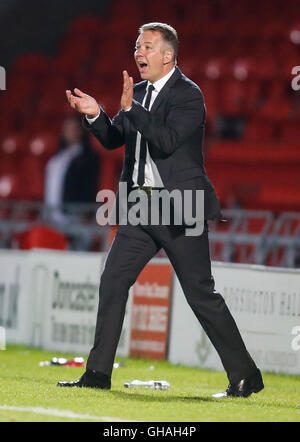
[152, 177]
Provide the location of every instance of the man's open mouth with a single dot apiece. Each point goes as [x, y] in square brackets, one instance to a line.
[142, 65]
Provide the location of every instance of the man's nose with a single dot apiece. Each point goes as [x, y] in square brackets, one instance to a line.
[139, 52]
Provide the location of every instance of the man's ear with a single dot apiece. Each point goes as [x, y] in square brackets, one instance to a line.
[168, 56]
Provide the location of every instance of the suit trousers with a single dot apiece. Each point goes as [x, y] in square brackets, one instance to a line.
[130, 251]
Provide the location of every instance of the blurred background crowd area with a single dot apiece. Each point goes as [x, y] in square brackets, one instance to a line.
[240, 53]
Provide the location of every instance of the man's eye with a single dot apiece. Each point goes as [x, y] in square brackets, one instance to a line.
[145, 47]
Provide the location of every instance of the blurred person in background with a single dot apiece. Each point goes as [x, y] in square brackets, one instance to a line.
[162, 125]
[72, 174]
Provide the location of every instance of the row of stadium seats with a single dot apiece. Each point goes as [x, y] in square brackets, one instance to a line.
[260, 176]
[43, 141]
[243, 68]
[207, 63]
[23, 160]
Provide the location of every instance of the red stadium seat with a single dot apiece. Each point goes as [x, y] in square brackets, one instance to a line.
[41, 237]
[266, 67]
[276, 110]
[11, 186]
[85, 24]
[34, 65]
[14, 144]
[211, 96]
[9, 164]
[217, 68]
[162, 11]
[290, 131]
[31, 178]
[244, 68]
[20, 90]
[111, 165]
[257, 130]
[279, 198]
[6, 125]
[43, 144]
[233, 98]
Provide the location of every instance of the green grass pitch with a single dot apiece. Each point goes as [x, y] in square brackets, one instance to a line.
[29, 393]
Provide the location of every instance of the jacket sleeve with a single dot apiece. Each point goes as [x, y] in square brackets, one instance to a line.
[109, 132]
[186, 113]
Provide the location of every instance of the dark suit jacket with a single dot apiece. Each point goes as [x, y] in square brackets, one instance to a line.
[174, 129]
[82, 176]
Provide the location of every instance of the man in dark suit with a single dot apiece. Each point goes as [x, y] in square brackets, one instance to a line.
[72, 174]
[162, 125]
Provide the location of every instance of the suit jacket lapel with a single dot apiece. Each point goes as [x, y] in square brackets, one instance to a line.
[164, 91]
[139, 95]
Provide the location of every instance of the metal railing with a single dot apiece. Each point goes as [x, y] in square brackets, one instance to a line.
[76, 221]
[248, 236]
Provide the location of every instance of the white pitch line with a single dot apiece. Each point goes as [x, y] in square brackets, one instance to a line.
[63, 413]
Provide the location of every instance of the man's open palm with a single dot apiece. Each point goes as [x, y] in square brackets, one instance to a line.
[83, 103]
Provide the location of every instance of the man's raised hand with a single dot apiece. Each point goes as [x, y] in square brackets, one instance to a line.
[83, 103]
[127, 95]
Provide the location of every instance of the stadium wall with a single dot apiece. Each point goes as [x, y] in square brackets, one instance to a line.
[49, 299]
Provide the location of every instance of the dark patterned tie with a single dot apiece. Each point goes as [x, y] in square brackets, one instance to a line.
[143, 145]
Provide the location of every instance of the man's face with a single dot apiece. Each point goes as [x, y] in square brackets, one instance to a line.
[71, 131]
[152, 56]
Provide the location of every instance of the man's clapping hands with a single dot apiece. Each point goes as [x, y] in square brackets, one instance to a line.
[85, 104]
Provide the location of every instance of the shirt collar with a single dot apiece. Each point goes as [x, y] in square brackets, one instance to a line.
[159, 84]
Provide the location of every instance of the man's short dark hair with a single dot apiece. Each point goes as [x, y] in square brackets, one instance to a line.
[168, 33]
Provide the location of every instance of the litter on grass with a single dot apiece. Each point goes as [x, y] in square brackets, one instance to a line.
[119, 364]
[153, 385]
[76, 362]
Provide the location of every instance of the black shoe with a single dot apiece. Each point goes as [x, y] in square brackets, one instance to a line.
[244, 388]
[91, 379]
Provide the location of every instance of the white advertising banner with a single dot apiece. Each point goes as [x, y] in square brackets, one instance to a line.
[49, 299]
[13, 296]
[264, 301]
[63, 295]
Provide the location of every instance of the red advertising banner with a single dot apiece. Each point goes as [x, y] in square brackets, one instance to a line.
[150, 312]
